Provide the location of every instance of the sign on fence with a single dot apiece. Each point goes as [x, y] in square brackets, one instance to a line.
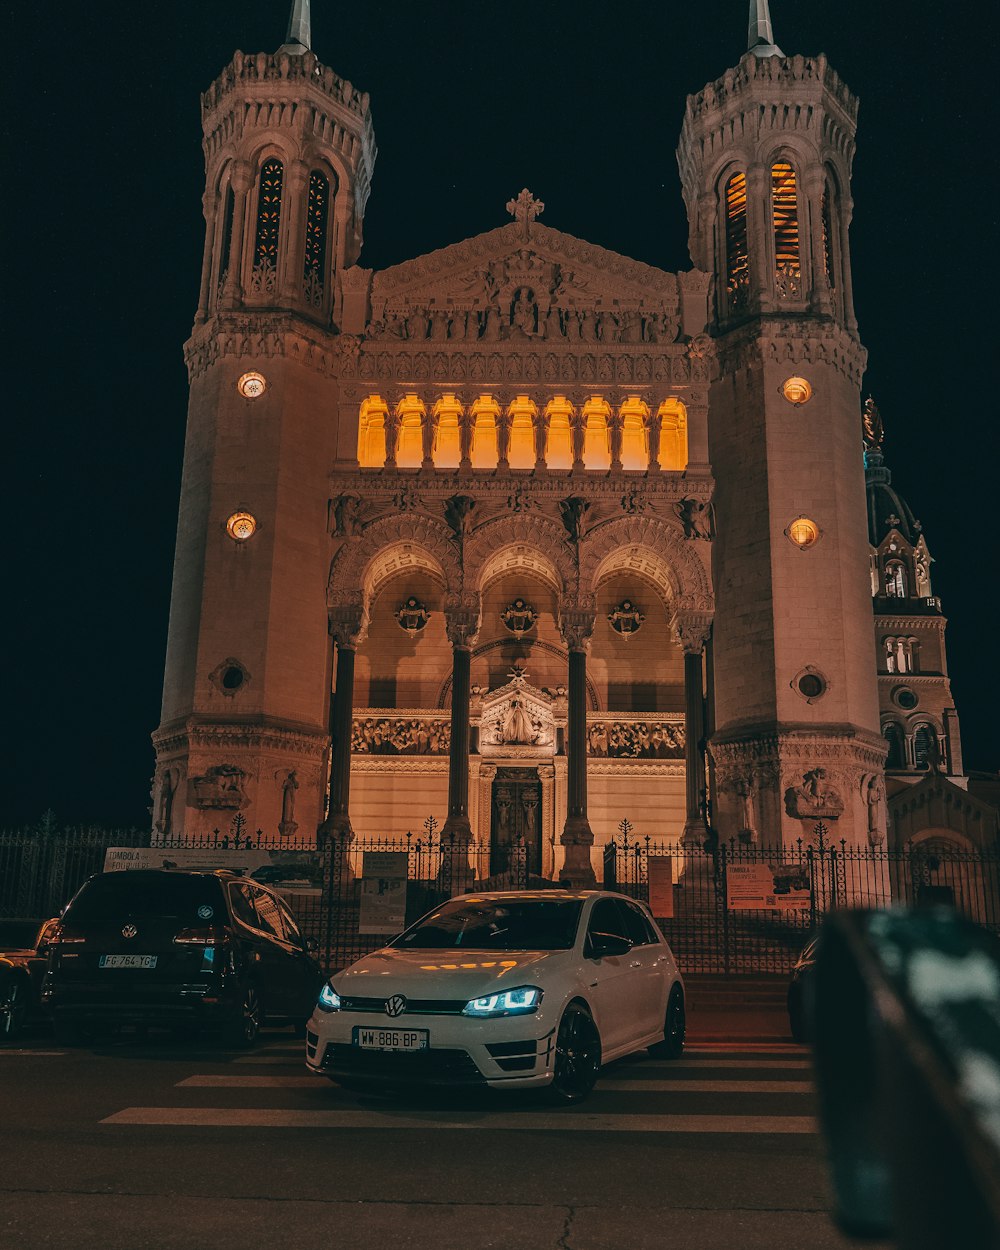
[660, 874]
[766, 887]
[383, 891]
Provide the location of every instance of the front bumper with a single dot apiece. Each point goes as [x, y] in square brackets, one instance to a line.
[512, 1051]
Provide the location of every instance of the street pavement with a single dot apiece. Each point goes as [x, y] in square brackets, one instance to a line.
[130, 1144]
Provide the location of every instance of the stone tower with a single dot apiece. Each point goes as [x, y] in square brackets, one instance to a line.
[289, 151]
[765, 160]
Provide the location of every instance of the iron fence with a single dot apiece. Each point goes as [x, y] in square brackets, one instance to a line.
[715, 924]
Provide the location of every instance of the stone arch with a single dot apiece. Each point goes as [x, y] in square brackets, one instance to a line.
[663, 555]
[538, 535]
[386, 546]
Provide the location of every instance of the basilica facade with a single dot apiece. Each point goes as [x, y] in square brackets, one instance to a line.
[522, 534]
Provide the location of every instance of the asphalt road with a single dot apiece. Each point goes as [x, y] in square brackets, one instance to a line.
[128, 1144]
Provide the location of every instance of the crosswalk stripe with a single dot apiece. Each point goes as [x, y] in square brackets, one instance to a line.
[687, 1065]
[679, 1085]
[255, 1117]
[31, 1052]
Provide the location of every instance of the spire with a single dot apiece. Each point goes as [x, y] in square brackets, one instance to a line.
[760, 37]
[299, 37]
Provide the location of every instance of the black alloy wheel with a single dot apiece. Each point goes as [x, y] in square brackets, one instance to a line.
[13, 1010]
[578, 1056]
[246, 1023]
[674, 1028]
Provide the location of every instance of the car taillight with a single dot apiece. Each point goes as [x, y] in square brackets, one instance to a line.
[59, 937]
[200, 937]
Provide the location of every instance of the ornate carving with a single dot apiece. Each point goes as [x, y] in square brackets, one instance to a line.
[696, 517]
[692, 630]
[458, 513]
[288, 824]
[519, 617]
[385, 735]
[349, 619]
[814, 799]
[463, 617]
[626, 618]
[576, 622]
[412, 616]
[346, 515]
[574, 512]
[524, 209]
[219, 788]
[872, 428]
[627, 739]
[874, 795]
[516, 715]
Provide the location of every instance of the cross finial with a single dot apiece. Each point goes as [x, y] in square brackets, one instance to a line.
[760, 36]
[517, 674]
[525, 208]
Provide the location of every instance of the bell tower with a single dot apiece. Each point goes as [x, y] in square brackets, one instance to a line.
[765, 159]
[289, 152]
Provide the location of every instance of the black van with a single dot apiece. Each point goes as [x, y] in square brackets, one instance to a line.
[178, 949]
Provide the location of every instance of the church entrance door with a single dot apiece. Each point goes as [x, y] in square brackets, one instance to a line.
[516, 817]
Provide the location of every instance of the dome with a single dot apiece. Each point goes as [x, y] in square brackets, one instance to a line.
[887, 509]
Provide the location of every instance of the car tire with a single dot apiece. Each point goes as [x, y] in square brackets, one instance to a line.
[674, 1027]
[14, 1009]
[244, 1026]
[577, 1061]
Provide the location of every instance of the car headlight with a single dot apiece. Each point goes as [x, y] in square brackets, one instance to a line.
[329, 999]
[517, 1002]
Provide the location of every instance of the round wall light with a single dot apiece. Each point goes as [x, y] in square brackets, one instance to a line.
[803, 532]
[252, 385]
[241, 526]
[796, 390]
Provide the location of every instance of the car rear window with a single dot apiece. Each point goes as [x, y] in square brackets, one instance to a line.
[496, 925]
[175, 895]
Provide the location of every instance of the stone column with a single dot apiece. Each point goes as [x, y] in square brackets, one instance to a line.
[691, 631]
[295, 194]
[348, 624]
[547, 775]
[576, 623]
[393, 424]
[241, 180]
[758, 238]
[466, 428]
[818, 288]
[462, 620]
[210, 207]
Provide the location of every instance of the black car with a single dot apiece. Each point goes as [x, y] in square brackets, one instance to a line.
[800, 992]
[178, 949]
[23, 958]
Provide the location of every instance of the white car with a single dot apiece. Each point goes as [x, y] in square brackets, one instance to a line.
[513, 989]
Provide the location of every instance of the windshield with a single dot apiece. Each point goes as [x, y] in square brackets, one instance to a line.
[180, 896]
[496, 924]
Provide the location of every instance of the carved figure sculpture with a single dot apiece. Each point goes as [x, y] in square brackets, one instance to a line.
[696, 517]
[346, 521]
[871, 425]
[814, 799]
[219, 787]
[875, 797]
[288, 823]
[458, 513]
[574, 511]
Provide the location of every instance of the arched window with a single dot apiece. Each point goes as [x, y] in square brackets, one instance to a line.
[924, 746]
[314, 260]
[785, 220]
[827, 223]
[896, 586]
[737, 254]
[893, 735]
[226, 238]
[265, 248]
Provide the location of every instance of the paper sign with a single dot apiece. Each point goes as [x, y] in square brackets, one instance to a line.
[660, 874]
[383, 892]
[767, 887]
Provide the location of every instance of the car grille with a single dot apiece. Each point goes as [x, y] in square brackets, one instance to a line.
[439, 1066]
[414, 1006]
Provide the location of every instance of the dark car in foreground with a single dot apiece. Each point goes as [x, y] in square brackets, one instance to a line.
[24, 953]
[178, 949]
[800, 992]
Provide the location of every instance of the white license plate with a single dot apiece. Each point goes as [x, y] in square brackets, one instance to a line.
[392, 1039]
[128, 961]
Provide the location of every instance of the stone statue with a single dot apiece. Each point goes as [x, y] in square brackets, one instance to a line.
[517, 726]
[458, 513]
[875, 797]
[524, 314]
[871, 425]
[288, 823]
[696, 517]
[346, 521]
[167, 790]
[743, 789]
[574, 511]
[219, 787]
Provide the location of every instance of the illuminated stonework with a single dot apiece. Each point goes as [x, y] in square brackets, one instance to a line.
[803, 532]
[252, 385]
[241, 526]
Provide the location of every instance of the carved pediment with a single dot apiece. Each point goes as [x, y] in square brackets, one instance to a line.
[517, 717]
[503, 285]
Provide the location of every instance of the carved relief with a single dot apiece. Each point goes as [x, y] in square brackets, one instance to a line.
[220, 787]
[643, 740]
[400, 736]
[815, 798]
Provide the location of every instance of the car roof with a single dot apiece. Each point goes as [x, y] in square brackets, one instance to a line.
[540, 895]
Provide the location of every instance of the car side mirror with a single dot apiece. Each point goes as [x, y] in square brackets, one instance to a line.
[602, 944]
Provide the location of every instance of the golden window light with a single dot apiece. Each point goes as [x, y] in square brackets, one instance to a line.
[241, 526]
[796, 390]
[252, 385]
[803, 532]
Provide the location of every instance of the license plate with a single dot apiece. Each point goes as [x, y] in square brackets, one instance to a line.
[392, 1039]
[128, 961]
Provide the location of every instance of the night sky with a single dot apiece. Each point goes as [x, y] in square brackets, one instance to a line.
[580, 101]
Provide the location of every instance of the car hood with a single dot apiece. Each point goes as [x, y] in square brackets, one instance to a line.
[446, 974]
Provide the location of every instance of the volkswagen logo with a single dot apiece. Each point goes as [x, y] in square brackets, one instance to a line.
[395, 1006]
[129, 931]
